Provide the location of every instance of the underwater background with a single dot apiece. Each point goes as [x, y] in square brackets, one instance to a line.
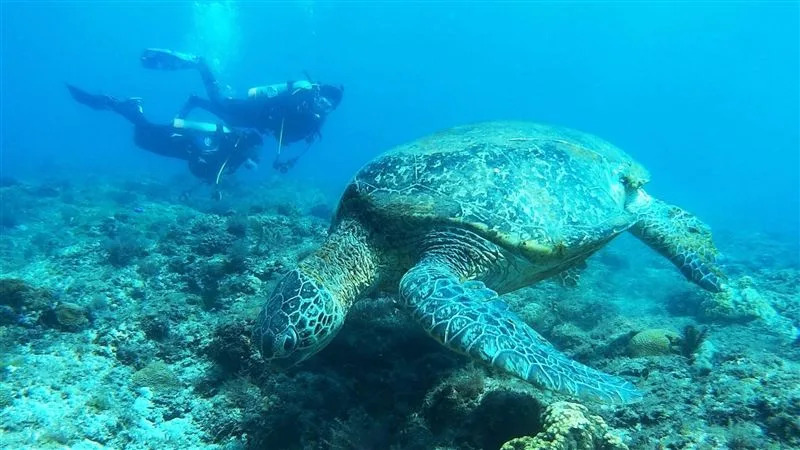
[126, 307]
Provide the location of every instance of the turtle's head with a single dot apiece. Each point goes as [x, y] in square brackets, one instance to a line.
[297, 321]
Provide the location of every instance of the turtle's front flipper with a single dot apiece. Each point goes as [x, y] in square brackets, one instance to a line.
[464, 317]
[683, 239]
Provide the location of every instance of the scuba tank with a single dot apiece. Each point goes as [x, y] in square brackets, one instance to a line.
[205, 134]
[274, 90]
[198, 126]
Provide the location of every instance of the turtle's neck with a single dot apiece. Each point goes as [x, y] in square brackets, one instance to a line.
[346, 264]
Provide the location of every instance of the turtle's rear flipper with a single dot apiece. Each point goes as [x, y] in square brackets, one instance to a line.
[683, 239]
[469, 318]
[570, 277]
[163, 59]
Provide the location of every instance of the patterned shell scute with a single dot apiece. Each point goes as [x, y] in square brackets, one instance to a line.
[518, 182]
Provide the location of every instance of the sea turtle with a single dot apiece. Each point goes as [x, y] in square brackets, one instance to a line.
[455, 219]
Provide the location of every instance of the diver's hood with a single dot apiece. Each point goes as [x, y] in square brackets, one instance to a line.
[332, 93]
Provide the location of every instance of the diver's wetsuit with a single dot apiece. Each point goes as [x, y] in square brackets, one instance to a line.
[293, 115]
[207, 153]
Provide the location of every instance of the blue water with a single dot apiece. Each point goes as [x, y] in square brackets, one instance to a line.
[705, 95]
[126, 312]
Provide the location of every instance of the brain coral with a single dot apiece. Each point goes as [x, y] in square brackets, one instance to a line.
[653, 342]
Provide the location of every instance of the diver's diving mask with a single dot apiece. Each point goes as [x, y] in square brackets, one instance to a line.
[323, 105]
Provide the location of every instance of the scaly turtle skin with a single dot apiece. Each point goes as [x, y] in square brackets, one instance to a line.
[454, 220]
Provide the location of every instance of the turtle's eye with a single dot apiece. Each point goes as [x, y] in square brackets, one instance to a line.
[289, 341]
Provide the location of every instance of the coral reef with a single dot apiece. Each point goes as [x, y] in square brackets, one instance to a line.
[740, 303]
[157, 376]
[66, 316]
[126, 308]
[22, 297]
[569, 426]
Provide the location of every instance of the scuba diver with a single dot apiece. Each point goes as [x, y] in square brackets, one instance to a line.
[210, 149]
[291, 111]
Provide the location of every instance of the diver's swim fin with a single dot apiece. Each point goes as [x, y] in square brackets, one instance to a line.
[163, 59]
[94, 101]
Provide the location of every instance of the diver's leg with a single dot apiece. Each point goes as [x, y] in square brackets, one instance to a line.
[130, 108]
[209, 81]
[194, 102]
[163, 140]
[191, 103]
[163, 59]
[97, 102]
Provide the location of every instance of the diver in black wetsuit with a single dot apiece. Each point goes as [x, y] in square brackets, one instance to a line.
[291, 111]
[209, 149]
